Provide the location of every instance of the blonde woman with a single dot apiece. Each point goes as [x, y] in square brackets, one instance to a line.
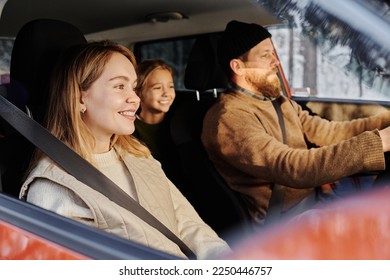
[92, 109]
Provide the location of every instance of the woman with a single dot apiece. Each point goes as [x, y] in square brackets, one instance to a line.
[156, 90]
[92, 109]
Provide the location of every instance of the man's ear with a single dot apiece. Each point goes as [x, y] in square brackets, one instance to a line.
[237, 66]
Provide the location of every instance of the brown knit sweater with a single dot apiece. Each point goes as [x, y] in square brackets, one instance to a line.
[243, 138]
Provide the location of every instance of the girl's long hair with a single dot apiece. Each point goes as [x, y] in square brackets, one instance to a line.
[75, 72]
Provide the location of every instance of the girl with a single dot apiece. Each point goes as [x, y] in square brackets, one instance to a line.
[156, 90]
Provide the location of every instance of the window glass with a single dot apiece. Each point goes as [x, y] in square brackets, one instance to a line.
[335, 54]
[5, 59]
[326, 71]
[174, 52]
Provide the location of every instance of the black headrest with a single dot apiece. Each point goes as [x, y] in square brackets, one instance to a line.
[37, 46]
[203, 71]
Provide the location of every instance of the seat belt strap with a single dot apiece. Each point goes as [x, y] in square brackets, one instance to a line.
[276, 104]
[85, 172]
[275, 205]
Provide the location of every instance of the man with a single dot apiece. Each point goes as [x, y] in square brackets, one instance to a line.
[264, 156]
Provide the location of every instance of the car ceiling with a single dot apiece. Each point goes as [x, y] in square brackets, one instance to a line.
[92, 16]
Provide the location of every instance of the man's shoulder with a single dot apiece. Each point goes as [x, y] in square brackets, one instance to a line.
[224, 108]
[228, 99]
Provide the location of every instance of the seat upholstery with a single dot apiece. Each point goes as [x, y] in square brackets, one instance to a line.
[37, 46]
[203, 71]
[215, 202]
[36, 49]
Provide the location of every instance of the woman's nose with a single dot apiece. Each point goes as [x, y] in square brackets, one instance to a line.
[133, 97]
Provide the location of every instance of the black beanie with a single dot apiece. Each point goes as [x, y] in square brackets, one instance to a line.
[238, 38]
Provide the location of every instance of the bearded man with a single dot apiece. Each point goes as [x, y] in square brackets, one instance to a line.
[257, 137]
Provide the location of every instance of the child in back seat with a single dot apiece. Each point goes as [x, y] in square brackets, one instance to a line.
[156, 90]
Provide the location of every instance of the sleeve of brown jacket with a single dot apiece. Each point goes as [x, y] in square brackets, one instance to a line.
[242, 136]
[324, 132]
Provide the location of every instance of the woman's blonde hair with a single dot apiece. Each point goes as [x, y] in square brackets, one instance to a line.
[76, 70]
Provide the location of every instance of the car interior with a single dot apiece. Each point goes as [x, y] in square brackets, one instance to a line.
[40, 41]
[30, 92]
[37, 46]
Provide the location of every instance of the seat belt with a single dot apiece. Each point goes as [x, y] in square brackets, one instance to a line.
[85, 172]
[275, 205]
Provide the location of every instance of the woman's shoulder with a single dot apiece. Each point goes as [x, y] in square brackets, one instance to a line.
[44, 169]
[43, 166]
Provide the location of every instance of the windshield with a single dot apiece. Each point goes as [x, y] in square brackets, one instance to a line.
[326, 51]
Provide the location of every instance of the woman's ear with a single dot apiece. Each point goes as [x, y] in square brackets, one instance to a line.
[82, 104]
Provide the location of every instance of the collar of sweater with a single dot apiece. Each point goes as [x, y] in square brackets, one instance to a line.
[235, 87]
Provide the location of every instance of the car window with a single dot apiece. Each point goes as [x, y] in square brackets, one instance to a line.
[174, 52]
[6, 45]
[325, 71]
[324, 57]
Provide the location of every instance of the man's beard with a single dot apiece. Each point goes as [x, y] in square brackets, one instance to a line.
[265, 87]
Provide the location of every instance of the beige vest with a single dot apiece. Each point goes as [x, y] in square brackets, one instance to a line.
[156, 194]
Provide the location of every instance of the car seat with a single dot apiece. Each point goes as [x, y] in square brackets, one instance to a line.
[36, 48]
[207, 191]
[203, 72]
